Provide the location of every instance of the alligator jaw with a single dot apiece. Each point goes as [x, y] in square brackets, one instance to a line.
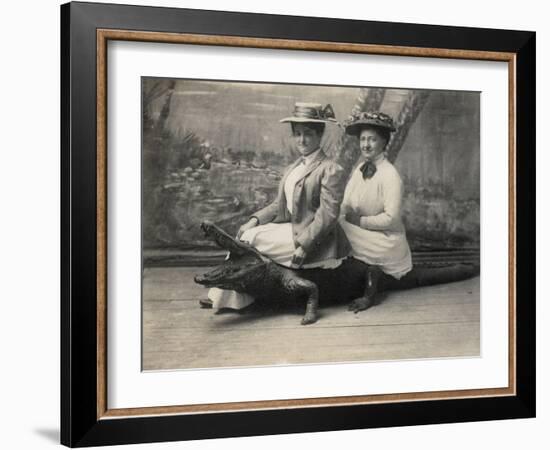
[225, 241]
[200, 279]
[244, 265]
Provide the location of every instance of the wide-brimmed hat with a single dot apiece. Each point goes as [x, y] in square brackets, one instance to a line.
[356, 122]
[312, 113]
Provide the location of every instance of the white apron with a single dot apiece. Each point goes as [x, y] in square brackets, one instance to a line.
[388, 250]
[382, 240]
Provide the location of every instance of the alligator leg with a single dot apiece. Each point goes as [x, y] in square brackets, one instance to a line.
[300, 288]
[312, 304]
[371, 287]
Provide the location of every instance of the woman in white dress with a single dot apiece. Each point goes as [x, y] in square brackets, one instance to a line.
[371, 209]
[300, 227]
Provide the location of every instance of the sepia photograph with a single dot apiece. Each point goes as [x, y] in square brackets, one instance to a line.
[288, 224]
[279, 223]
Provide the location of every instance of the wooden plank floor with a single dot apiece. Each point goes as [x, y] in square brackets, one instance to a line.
[435, 321]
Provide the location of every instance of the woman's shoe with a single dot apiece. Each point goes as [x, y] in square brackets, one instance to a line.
[205, 303]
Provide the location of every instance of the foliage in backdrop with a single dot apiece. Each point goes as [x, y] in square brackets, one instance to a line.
[215, 150]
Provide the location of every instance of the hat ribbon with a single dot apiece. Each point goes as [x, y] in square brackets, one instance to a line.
[314, 113]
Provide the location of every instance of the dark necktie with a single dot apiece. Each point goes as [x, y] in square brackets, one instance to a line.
[368, 169]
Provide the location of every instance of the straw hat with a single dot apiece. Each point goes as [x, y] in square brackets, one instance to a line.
[310, 112]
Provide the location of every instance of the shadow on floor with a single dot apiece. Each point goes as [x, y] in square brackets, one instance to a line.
[50, 434]
[262, 310]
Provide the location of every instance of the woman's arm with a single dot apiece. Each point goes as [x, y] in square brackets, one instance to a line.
[268, 213]
[390, 218]
[345, 206]
[263, 216]
[332, 190]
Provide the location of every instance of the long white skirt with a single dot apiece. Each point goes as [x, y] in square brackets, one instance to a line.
[388, 250]
[274, 240]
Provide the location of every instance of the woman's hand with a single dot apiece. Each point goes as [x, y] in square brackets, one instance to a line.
[353, 218]
[247, 226]
[298, 258]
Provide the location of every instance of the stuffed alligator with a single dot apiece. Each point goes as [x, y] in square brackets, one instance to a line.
[247, 270]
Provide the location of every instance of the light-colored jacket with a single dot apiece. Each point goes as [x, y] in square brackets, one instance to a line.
[316, 207]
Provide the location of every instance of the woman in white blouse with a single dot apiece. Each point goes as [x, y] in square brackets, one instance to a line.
[371, 209]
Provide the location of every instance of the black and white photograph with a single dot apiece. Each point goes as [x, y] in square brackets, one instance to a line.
[300, 224]
[275, 225]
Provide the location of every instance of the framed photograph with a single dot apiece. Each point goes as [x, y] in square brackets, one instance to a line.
[278, 224]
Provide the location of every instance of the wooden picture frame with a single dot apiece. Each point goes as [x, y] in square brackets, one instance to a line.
[86, 418]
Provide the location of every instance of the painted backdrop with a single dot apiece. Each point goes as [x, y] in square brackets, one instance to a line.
[216, 150]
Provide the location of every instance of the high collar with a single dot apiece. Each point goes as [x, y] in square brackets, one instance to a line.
[377, 161]
[311, 157]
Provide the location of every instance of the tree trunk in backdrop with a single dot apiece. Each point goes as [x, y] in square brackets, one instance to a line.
[409, 112]
[371, 100]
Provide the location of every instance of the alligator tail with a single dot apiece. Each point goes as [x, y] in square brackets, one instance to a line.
[428, 275]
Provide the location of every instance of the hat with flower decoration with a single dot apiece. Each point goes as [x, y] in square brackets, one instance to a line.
[356, 122]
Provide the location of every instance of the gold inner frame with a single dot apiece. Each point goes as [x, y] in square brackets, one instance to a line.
[104, 35]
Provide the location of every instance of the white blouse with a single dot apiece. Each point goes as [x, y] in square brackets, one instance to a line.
[377, 199]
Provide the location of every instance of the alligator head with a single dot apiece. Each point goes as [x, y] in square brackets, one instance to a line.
[243, 267]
